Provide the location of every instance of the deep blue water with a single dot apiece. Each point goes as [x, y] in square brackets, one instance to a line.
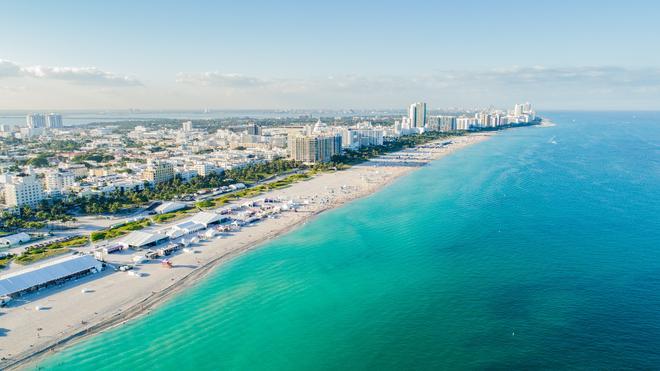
[539, 248]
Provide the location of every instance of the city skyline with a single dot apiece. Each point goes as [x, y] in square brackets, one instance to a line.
[314, 56]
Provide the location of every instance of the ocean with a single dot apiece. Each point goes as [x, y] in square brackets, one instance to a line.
[539, 248]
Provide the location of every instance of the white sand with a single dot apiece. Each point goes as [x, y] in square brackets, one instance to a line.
[114, 297]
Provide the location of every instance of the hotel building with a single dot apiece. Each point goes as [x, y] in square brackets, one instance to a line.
[54, 121]
[315, 148]
[23, 190]
[158, 171]
[417, 115]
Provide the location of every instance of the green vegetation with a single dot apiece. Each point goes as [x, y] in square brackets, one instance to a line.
[4, 262]
[32, 255]
[36, 218]
[78, 241]
[162, 218]
[120, 230]
[257, 172]
[64, 145]
[117, 201]
[204, 204]
[98, 204]
[93, 156]
[41, 160]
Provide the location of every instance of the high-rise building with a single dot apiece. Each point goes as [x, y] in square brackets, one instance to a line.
[465, 123]
[446, 123]
[254, 129]
[54, 121]
[35, 120]
[187, 126]
[441, 123]
[518, 109]
[482, 119]
[417, 115]
[496, 120]
[521, 113]
[158, 171]
[432, 123]
[315, 148]
[356, 137]
[23, 190]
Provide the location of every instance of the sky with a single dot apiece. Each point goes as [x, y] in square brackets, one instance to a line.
[60, 55]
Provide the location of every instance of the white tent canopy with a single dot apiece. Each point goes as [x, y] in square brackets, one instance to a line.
[141, 238]
[206, 218]
[32, 277]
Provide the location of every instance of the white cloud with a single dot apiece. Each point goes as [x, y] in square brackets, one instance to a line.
[80, 75]
[539, 76]
[581, 87]
[77, 75]
[9, 69]
[591, 75]
[225, 80]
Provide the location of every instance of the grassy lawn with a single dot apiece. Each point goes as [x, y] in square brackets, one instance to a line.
[120, 230]
[4, 262]
[174, 215]
[204, 204]
[79, 241]
[34, 255]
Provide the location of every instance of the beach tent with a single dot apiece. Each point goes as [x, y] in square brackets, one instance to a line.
[207, 218]
[140, 239]
[54, 271]
[14, 239]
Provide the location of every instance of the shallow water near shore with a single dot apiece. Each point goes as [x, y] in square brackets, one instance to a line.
[535, 249]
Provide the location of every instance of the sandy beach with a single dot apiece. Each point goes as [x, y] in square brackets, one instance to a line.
[111, 298]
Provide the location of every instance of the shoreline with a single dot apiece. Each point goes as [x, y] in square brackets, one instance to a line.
[143, 300]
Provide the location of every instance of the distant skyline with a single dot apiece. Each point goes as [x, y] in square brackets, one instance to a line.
[68, 55]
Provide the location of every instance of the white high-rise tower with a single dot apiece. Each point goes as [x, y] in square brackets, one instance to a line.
[35, 121]
[417, 115]
[54, 121]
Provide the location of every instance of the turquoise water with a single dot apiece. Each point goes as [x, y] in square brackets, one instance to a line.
[539, 248]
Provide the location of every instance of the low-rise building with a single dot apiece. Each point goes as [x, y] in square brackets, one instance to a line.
[168, 207]
[141, 239]
[14, 239]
